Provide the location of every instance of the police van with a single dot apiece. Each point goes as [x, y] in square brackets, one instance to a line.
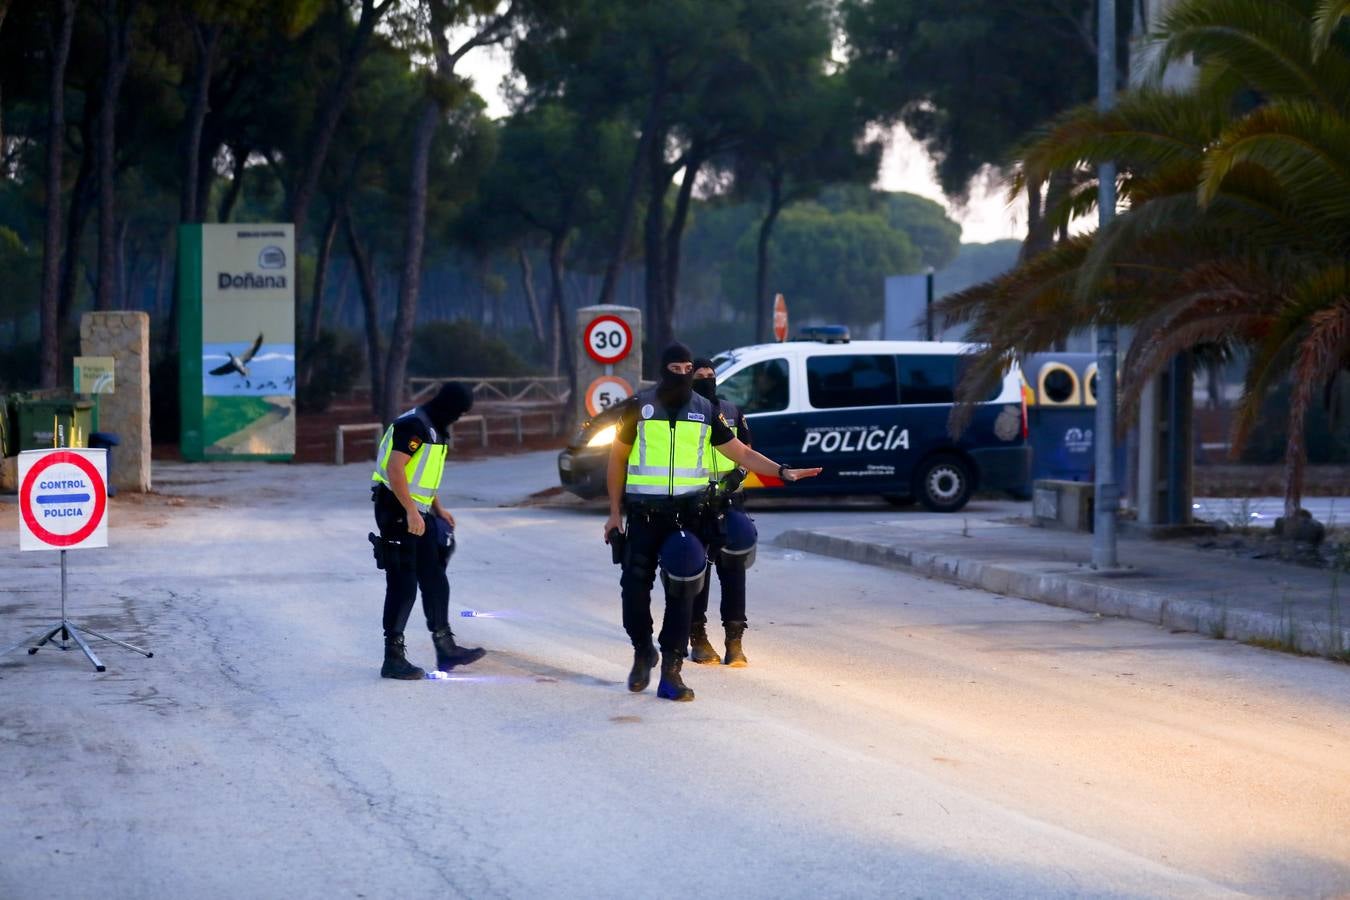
[871, 414]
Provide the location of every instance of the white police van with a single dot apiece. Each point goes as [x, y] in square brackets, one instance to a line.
[873, 415]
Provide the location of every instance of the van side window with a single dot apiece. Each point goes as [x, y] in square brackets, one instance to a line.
[760, 388]
[932, 378]
[835, 382]
[927, 379]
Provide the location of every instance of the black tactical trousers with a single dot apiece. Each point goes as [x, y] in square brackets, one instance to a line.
[731, 581]
[645, 535]
[420, 563]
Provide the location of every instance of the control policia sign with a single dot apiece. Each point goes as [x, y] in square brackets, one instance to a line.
[237, 341]
[63, 499]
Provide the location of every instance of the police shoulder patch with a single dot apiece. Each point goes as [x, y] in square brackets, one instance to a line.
[648, 411]
[414, 443]
[721, 417]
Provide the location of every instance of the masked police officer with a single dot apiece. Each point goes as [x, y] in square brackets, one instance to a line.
[725, 518]
[659, 467]
[417, 534]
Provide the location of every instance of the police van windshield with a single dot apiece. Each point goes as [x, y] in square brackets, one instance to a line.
[758, 388]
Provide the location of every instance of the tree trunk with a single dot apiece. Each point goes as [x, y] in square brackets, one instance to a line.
[82, 197]
[117, 42]
[675, 236]
[207, 39]
[162, 270]
[370, 305]
[410, 282]
[557, 245]
[628, 209]
[50, 352]
[316, 151]
[4, 8]
[231, 195]
[654, 256]
[531, 298]
[311, 337]
[763, 305]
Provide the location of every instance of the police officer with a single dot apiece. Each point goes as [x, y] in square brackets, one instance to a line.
[417, 534]
[725, 518]
[659, 465]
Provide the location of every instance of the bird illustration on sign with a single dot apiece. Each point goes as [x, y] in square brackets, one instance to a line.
[239, 364]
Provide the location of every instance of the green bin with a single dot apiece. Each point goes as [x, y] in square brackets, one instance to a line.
[49, 421]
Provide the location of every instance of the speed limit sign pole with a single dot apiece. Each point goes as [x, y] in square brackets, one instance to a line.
[63, 505]
[609, 358]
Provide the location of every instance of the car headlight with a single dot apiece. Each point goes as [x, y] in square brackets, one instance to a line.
[603, 437]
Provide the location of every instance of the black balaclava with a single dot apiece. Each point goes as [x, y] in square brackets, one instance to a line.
[451, 401]
[674, 390]
[706, 387]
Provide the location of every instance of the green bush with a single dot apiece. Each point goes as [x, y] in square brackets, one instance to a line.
[335, 362]
[459, 349]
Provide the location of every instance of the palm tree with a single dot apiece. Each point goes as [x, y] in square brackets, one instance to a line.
[1236, 232]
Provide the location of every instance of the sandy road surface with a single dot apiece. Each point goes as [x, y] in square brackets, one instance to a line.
[892, 737]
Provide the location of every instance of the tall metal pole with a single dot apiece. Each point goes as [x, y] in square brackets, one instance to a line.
[1106, 493]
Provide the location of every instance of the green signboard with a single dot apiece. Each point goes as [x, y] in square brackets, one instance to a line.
[237, 341]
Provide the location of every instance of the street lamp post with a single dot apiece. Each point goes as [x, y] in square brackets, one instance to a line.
[1106, 493]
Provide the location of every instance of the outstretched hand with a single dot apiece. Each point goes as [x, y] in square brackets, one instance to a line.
[799, 474]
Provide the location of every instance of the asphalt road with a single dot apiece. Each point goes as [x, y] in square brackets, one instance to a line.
[893, 737]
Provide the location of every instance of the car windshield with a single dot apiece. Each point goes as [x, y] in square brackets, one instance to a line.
[723, 361]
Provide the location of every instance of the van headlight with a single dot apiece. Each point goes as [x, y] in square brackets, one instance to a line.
[604, 437]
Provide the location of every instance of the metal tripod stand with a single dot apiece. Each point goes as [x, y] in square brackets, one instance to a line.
[68, 630]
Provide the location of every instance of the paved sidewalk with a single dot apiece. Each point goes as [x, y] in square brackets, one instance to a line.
[1170, 584]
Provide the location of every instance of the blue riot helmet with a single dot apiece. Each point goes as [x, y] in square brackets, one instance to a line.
[684, 564]
[741, 539]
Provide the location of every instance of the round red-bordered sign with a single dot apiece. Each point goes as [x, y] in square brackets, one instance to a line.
[606, 391]
[26, 499]
[608, 339]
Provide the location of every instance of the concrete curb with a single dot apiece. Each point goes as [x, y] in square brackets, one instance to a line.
[1070, 587]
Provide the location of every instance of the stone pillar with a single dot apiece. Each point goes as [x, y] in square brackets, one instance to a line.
[125, 336]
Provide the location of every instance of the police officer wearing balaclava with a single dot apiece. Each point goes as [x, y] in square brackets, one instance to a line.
[727, 514]
[659, 467]
[417, 534]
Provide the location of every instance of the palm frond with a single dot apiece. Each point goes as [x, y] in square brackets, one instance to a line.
[1326, 20]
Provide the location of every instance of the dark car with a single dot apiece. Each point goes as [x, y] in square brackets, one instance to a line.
[582, 464]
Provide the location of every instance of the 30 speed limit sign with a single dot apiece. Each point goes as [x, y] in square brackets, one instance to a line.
[606, 391]
[608, 339]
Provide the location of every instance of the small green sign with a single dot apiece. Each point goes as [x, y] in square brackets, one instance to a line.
[93, 374]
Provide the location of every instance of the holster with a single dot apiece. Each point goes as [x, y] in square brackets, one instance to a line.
[390, 555]
[618, 541]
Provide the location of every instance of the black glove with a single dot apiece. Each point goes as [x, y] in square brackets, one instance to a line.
[617, 541]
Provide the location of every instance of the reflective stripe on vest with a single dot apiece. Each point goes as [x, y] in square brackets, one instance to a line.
[721, 465]
[424, 468]
[670, 460]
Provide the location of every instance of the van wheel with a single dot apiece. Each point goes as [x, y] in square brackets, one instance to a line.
[943, 483]
[899, 499]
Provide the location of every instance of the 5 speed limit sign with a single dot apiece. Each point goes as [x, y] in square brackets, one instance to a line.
[606, 391]
[608, 339]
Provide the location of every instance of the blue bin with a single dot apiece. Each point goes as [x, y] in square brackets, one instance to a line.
[1062, 416]
[105, 440]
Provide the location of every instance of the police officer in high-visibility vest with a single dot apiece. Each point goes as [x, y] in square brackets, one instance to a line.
[728, 533]
[417, 534]
[658, 472]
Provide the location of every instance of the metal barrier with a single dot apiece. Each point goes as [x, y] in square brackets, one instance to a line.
[526, 390]
[339, 455]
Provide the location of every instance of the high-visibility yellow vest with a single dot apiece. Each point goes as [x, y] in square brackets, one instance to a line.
[670, 456]
[424, 468]
[721, 465]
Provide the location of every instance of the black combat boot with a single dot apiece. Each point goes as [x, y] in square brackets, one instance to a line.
[641, 676]
[396, 663]
[700, 649]
[448, 655]
[735, 656]
[672, 686]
